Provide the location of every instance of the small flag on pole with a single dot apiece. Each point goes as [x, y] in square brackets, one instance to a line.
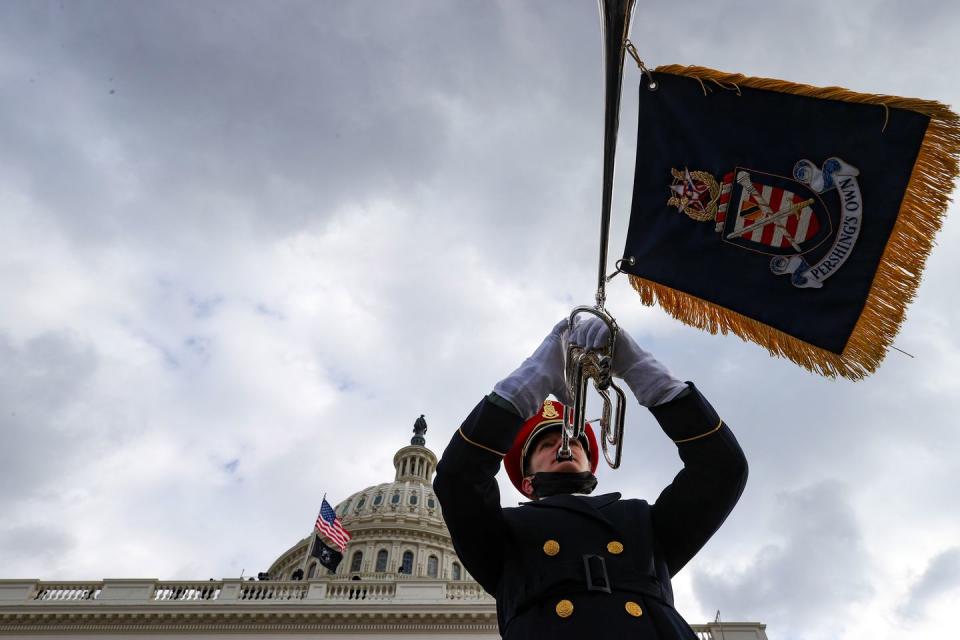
[328, 557]
[329, 525]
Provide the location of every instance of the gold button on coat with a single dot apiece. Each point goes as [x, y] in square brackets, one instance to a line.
[615, 547]
[633, 609]
[551, 548]
[564, 608]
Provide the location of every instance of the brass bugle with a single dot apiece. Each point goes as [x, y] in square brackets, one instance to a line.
[583, 365]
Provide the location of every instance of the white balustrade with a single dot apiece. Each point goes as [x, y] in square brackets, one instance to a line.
[68, 591]
[382, 576]
[187, 591]
[372, 587]
[358, 590]
[269, 590]
[466, 591]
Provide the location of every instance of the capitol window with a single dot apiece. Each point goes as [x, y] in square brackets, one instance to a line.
[413, 498]
[356, 561]
[431, 503]
[378, 500]
[381, 561]
[312, 571]
[395, 499]
[456, 571]
[432, 565]
[407, 565]
[360, 504]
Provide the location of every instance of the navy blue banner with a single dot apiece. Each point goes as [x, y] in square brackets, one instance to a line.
[773, 205]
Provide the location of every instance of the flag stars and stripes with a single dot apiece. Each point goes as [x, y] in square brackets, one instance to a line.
[329, 525]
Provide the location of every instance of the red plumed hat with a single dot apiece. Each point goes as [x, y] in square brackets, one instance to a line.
[550, 417]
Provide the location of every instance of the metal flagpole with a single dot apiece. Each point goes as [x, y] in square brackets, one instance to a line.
[615, 19]
[313, 541]
[306, 556]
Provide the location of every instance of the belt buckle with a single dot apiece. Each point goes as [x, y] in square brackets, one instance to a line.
[595, 568]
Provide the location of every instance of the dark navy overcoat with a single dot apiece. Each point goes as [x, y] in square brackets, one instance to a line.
[572, 566]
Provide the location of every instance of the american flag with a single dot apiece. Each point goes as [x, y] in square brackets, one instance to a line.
[329, 525]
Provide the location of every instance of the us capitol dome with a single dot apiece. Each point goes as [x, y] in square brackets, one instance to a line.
[397, 528]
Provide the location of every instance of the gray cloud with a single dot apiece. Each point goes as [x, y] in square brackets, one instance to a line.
[47, 544]
[815, 566]
[279, 104]
[941, 576]
[40, 382]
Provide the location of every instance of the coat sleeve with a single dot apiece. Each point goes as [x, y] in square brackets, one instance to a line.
[467, 488]
[692, 507]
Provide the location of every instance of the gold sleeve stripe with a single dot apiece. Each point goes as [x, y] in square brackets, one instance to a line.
[477, 444]
[702, 435]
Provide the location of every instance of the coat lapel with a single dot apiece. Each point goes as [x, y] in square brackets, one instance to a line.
[588, 506]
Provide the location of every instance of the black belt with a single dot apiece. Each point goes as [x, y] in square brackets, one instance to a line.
[595, 569]
[597, 579]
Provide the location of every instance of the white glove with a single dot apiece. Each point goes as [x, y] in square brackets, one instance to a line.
[649, 380]
[540, 375]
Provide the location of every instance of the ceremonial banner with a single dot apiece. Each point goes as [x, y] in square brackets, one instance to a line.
[794, 216]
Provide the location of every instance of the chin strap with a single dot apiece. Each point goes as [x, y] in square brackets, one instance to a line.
[551, 483]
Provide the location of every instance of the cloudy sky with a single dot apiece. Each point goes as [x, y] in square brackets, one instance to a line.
[243, 245]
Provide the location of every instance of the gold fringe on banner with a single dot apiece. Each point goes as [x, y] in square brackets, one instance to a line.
[898, 274]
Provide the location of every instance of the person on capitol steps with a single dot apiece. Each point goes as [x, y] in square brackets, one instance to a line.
[569, 564]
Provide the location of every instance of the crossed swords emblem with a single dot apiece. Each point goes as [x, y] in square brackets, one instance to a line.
[777, 218]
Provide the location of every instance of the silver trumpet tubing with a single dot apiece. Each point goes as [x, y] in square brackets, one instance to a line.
[580, 367]
[583, 365]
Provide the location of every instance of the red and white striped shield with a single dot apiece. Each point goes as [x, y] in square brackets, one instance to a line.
[770, 214]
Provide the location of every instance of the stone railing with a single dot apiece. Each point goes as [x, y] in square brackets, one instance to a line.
[466, 591]
[67, 591]
[269, 590]
[360, 590]
[380, 576]
[379, 587]
[187, 591]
